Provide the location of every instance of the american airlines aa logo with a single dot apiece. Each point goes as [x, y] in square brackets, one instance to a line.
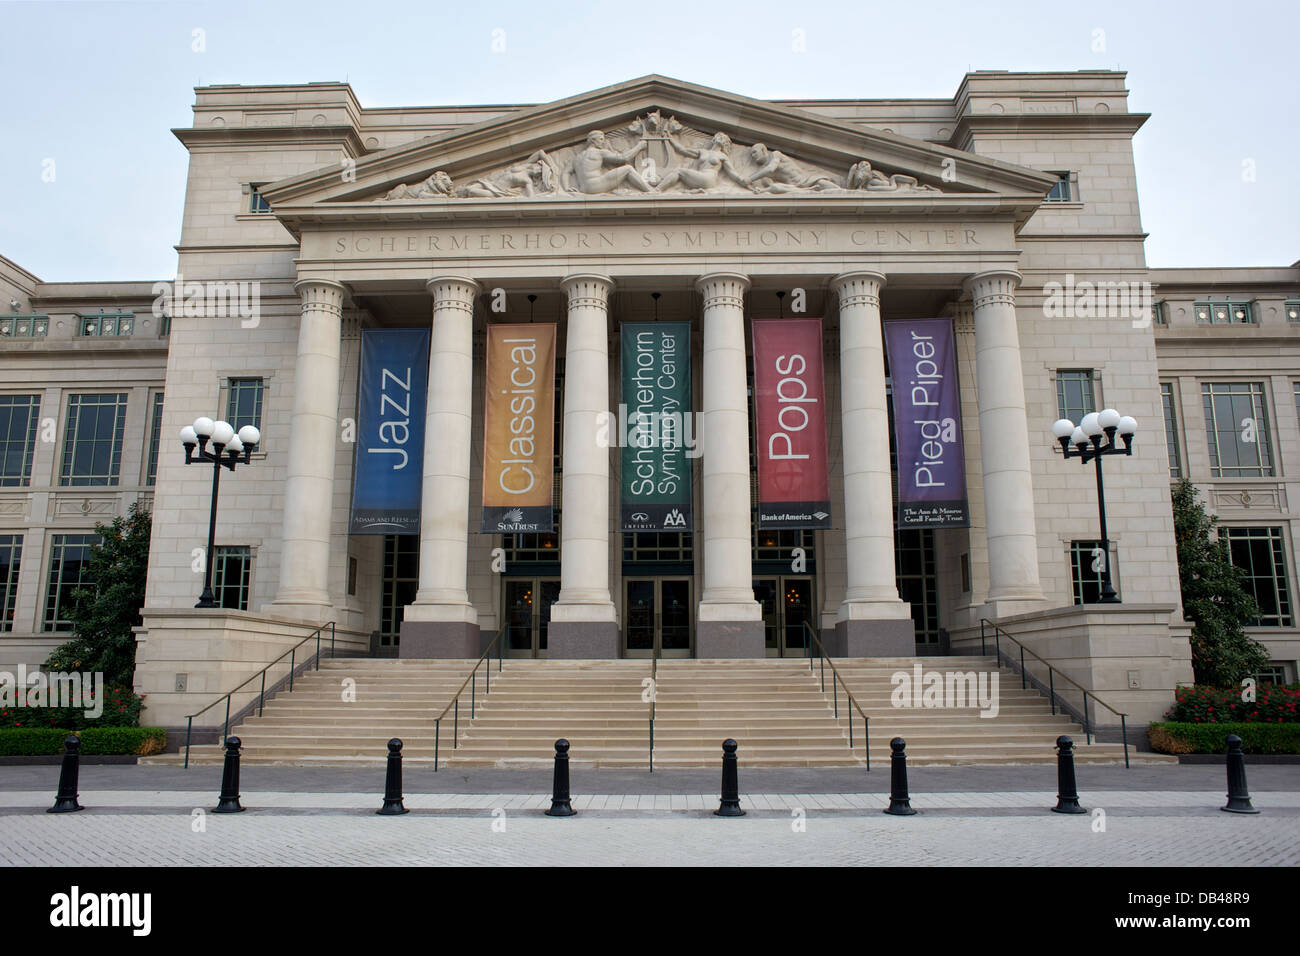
[674, 519]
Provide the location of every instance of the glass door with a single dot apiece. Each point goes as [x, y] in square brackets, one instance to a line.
[657, 611]
[527, 612]
[786, 602]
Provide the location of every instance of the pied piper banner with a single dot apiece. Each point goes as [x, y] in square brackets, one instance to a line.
[790, 421]
[656, 397]
[389, 466]
[927, 424]
[519, 429]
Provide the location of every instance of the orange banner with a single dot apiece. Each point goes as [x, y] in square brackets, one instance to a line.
[519, 429]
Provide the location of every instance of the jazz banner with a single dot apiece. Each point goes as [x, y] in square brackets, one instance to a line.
[790, 424]
[519, 429]
[656, 399]
[388, 473]
[927, 424]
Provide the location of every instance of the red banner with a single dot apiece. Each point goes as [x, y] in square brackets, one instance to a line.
[790, 424]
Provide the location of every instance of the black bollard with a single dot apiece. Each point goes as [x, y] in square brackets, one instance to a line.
[560, 806]
[730, 806]
[1238, 795]
[393, 781]
[228, 801]
[65, 801]
[900, 804]
[1067, 793]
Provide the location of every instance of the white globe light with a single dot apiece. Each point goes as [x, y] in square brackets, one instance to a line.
[188, 436]
[222, 433]
[1078, 438]
[249, 435]
[1108, 417]
[203, 427]
[1090, 424]
[1128, 425]
[1063, 428]
[235, 446]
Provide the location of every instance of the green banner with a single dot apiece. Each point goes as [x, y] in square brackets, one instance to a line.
[656, 428]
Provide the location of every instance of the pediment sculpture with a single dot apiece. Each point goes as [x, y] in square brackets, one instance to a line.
[656, 154]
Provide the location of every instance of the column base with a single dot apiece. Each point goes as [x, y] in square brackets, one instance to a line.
[440, 640]
[581, 640]
[868, 638]
[731, 639]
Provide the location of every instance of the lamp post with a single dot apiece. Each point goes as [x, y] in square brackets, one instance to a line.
[1087, 441]
[228, 450]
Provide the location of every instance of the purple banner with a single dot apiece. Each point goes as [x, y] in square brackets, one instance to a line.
[927, 424]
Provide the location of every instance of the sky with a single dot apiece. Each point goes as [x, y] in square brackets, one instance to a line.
[92, 180]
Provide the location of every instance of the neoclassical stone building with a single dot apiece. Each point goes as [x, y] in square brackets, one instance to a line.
[1010, 210]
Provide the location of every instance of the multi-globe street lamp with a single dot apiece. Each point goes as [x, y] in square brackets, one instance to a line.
[1087, 441]
[228, 449]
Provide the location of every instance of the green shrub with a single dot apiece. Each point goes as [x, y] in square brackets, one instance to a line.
[122, 707]
[42, 741]
[1205, 705]
[1256, 738]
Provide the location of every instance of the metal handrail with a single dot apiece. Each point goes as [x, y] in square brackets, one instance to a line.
[261, 703]
[654, 692]
[472, 682]
[999, 632]
[835, 676]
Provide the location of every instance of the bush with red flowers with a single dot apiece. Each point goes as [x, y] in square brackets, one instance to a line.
[121, 709]
[1273, 704]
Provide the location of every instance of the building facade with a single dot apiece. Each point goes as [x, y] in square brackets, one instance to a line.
[1010, 209]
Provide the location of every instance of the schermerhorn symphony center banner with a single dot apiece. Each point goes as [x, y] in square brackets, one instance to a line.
[927, 424]
[389, 470]
[519, 429]
[790, 424]
[656, 393]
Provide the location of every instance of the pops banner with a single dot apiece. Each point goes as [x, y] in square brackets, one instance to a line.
[519, 429]
[927, 424]
[790, 424]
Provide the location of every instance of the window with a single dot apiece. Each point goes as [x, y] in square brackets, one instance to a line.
[155, 431]
[92, 442]
[1086, 567]
[257, 203]
[778, 544]
[1236, 427]
[164, 326]
[1260, 552]
[18, 417]
[1158, 313]
[1224, 313]
[916, 572]
[244, 403]
[232, 569]
[1171, 429]
[1063, 191]
[106, 324]
[18, 326]
[1292, 309]
[11, 552]
[528, 547]
[401, 581]
[69, 556]
[674, 547]
[1075, 394]
[1273, 674]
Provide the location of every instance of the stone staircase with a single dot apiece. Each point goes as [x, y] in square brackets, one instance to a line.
[775, 709]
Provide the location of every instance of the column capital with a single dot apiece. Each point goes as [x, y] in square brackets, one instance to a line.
[321, 293]
[454, 292]
[587, 289]
[723, 288]
[996, 285]
[861, 287]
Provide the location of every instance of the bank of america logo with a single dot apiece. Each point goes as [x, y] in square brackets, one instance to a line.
[674, 519]
[820, 515]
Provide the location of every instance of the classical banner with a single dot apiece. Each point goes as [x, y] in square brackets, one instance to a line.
[927, 424]
[519, 429]
[656, 398]
[790, 424]
[388, 473]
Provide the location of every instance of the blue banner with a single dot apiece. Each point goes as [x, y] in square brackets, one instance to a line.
[388, 475]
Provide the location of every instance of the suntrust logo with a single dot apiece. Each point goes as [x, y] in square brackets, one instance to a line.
[933, 689]
[74, 908]
[53, 689]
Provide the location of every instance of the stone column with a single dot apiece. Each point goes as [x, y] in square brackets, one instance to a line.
[313, 438]
[872, 620]
[730, 622]
[1004, 446]
[442, 622]
[583, 623]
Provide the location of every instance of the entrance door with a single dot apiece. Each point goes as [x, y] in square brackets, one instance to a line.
[787, 603]
[657, 611]
[527, 611]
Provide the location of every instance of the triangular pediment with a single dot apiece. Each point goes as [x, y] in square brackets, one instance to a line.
[653, 138]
